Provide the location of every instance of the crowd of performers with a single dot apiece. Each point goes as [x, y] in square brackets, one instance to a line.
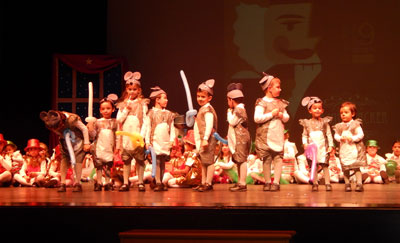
[164, 149]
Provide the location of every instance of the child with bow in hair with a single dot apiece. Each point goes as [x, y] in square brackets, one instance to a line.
[160, 133]
[270, 114]
[317, 132]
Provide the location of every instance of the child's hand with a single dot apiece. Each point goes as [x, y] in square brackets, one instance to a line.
[275, 112]
[86, 147]
[280, 115]
[204, 144]
[305, 146]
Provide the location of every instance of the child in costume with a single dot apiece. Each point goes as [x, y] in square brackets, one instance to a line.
[5, 164]
[317, 131]
[44, 153]
[289, 159]
[160, 133]
[204, 127]
[225, 169]
[239, 141]
[270, 114]
[186, 170]
[375, 170]
[131, 118]
[53, 176]
[134, 179]
[395, 157]
[254, 170]
[335, 169]
[103, 132]
[74, 142]
[14, 157]
[352, 150]
[33, 170]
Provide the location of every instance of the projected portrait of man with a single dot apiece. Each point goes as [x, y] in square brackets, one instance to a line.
[277, 34]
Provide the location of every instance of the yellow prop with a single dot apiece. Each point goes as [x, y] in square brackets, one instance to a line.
[136, 138]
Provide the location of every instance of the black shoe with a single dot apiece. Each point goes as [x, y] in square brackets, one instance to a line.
[77, 187]
[267, 187]
[108, 187]
[238, 188]
[328, 187]
[206, 187]
[159, 187]
[275, 187]
[314, 188]
[165, 187]
[196, 187]
[141, 187]
[347, 187]
[97, 187]
[62, 188]
[124, 188]
[51, 184]
[359, 188]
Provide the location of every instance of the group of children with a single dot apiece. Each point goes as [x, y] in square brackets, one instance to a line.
[136, 146]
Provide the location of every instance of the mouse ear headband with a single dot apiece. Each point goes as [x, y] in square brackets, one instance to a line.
[234, 90]
[132, 78]
[309, 101]
[111, 98]
[265, 82]
[156, 91]
[207, 86]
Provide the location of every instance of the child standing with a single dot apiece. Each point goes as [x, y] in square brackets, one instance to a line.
[103, 131]
[270, 114]
[131, 118]
[68, 124]
[160, 133]
[317, 131]
[375, 171]
[204, 127]
[352, 150]
[239, 141]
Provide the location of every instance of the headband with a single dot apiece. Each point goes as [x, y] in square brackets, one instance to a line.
[111, 98]
[156, 91]
[235, 90]
[309, 101]
[132, 78]
[266, 81]
[207, 86]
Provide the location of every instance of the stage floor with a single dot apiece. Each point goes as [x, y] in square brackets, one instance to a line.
[45, 214]
[375, 196]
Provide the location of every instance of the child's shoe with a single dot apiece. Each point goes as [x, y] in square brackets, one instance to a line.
[347, 187]
[62, 188]
[359, 188]
[275, 187]
[328, 187]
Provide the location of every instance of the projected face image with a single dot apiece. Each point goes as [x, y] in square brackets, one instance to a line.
[278, 34]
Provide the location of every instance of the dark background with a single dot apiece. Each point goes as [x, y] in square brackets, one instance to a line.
[160, 38]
